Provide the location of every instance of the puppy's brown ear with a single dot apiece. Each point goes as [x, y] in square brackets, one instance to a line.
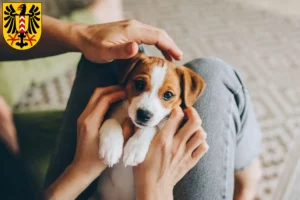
[192, 85]
[124, 67]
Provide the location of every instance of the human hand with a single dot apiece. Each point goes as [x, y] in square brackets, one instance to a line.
[87, 166]
[7, 127]
[103, 43]
[171, 155]
[86, 156]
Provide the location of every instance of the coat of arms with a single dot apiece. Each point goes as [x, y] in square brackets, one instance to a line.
[22, 24]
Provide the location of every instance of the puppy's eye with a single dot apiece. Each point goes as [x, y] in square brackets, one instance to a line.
[139, 84]
[168, 95]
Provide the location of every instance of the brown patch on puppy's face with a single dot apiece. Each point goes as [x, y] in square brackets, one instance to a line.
[170, 91]
[155, 86]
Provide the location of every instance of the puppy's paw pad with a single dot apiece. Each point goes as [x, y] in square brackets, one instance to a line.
[134, 153]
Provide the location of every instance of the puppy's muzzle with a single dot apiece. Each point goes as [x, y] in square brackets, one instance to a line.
[143, 116]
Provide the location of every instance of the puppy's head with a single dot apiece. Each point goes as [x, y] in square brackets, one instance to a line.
[155, 86]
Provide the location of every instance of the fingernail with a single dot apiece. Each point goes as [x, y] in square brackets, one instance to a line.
[206, 146]
[180, 53]
[180, 56]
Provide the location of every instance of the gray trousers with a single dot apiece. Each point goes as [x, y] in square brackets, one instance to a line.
[225, 108]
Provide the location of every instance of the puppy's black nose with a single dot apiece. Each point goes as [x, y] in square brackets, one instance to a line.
[143, 115]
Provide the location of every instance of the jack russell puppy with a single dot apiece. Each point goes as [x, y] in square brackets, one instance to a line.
[154, 87]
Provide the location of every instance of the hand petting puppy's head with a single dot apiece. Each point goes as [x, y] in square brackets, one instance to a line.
[155, 86]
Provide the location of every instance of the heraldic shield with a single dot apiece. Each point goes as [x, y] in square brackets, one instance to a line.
[22, 24]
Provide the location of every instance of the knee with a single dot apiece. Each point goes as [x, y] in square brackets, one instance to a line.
[216, 71]
[211, 67]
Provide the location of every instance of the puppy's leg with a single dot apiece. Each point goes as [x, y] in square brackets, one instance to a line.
[137, 146]
[111, 142]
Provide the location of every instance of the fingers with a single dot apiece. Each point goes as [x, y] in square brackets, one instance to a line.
[122, 51]
[173, 123]
[167, 56]
[92, 117]
[103, 105]
[196, 147]
[153, 36]
[194, 142]
[102, 91]
[200, 151]
[99, 92]
[162, 41]
[190, 127]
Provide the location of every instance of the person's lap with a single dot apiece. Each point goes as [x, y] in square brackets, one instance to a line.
[224, 107]
[232, 133]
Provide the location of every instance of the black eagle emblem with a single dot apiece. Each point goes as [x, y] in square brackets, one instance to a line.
[19, 32]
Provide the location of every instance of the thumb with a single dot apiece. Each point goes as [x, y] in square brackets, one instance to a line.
[123, 51]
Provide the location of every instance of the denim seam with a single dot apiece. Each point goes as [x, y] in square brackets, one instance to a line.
[241, 104]
[241, 88]
[224, 196]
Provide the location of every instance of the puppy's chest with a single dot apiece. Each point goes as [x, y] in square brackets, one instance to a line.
[117, 183]
[120, 111]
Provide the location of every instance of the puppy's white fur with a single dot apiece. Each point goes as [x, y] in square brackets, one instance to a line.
[150, 100]
[137, 146]
[117, 182]
[111, 136]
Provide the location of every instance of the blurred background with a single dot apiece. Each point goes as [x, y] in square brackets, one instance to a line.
[261, 38]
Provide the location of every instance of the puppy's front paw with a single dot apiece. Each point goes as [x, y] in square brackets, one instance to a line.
[135, 152]
[111, 142]
[110, 151]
